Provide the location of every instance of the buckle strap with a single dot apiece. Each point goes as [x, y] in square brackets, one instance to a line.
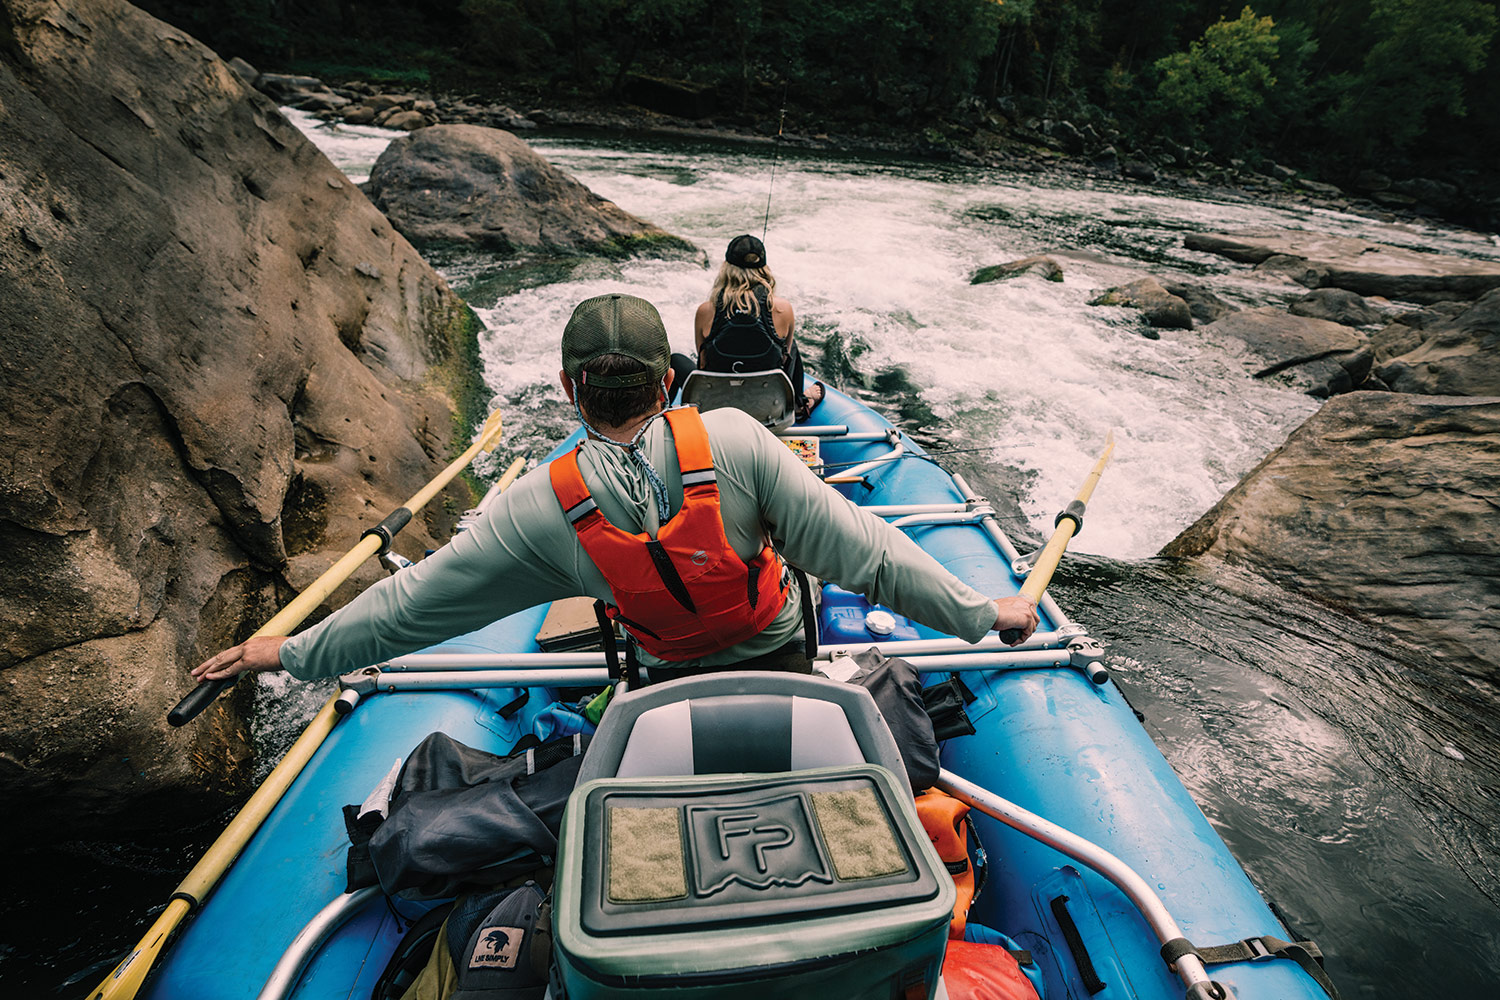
[1306, 954]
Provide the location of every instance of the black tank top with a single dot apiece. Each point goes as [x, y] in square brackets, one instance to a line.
[740, 341]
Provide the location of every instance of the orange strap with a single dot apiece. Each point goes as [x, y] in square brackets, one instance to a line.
[943, 818]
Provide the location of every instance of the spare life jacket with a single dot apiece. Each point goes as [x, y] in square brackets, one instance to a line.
[943, 818]
[685, 593]
[740, 341]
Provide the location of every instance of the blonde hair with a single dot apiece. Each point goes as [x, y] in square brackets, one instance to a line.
[734, 288]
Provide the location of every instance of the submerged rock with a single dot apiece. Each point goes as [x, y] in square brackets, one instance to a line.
[483, 188]
[1317, 356]
[1337, 306]
[1159, 307]
[1358, 265]
[1383, 504]
[1044, 266]
[1204, 305]
[220, 365]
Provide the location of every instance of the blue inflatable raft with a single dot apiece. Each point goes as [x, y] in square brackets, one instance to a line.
[1097, 857]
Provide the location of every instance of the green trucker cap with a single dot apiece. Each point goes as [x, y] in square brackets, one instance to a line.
[616, 324]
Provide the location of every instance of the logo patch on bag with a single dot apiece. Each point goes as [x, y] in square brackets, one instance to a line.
[497, 948]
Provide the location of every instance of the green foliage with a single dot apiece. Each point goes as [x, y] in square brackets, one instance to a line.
[1219, 86]
[1341, 83]
[1415, 69]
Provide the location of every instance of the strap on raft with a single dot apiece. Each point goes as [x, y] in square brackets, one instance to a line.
[1305, 953]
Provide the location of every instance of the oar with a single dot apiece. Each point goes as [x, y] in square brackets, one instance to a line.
[125, 981]
[376, 539]
[1069, 523]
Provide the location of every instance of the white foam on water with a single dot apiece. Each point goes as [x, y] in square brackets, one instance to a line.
[1024, 370]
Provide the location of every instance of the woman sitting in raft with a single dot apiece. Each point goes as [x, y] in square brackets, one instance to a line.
[744, 327]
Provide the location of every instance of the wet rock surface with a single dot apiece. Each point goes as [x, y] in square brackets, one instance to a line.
[220, 365]
[1384, 504]
[483, 188]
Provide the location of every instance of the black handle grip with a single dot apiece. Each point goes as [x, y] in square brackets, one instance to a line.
[197, 700]
[1010, 636]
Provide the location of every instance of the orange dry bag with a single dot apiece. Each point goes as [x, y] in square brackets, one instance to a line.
[973, 971]
[943, 818]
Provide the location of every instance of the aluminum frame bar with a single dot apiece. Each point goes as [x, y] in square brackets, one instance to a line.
[491, 661]
[308, 940]
[1189, 968]
[990, 643]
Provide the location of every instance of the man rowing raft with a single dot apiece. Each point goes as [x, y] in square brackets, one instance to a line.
[685, 525]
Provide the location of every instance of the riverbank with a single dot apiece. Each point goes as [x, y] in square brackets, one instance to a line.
[1006, 138]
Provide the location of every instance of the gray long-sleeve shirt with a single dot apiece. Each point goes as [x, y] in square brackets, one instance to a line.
[523, 552]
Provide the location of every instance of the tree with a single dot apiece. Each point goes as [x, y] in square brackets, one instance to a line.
[1416, 69]
[1217, 89]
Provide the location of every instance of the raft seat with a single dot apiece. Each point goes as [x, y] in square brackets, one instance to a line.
[739, 722]
[767, 396]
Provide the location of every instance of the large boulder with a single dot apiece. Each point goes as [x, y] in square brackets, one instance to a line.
[482, 188]
[220, 364]
[1319, 357]
[1368, 268]
[1383, 504]
[1456, 357]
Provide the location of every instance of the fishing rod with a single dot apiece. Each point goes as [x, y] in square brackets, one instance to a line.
[775, 155]
[127, 977]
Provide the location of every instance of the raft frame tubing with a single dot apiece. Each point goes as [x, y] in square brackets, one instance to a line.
[1189, 968]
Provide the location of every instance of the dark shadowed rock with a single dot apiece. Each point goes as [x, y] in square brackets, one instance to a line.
[1359, 265]
[1337, 306]
[1384, 504]
[1204, 305]
[1319, 357]
[220, 364]
[1159, 307]
[1044, 266]
[1456, 357]
[471, 186]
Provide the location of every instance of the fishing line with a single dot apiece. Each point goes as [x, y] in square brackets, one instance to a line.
[775, 155]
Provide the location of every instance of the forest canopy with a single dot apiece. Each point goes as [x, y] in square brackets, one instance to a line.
[1339, 84]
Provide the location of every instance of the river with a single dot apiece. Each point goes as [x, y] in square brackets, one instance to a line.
[1357, 785]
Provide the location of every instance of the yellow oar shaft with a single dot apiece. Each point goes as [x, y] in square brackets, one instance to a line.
[127, 977]
[1046, 561]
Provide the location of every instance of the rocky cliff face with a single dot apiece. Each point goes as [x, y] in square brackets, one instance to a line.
[219, 364]
[1385, 504]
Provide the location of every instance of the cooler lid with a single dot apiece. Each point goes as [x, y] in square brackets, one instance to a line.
[694, 853]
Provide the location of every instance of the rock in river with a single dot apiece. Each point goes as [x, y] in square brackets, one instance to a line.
[482, 188]
[1459, 356]
[220, 364]
[1317, 356]
[1385, 504]
[1361, 266]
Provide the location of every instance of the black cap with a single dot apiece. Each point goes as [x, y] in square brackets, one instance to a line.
[746, 251]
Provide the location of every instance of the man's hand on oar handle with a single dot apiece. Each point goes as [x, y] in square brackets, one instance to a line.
[1015, 619]
[262, 652]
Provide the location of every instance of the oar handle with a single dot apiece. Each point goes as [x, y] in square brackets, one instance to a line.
[197, 700]
[377, 539]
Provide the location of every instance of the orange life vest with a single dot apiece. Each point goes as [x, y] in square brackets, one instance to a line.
[943, 818]
[685, 593]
